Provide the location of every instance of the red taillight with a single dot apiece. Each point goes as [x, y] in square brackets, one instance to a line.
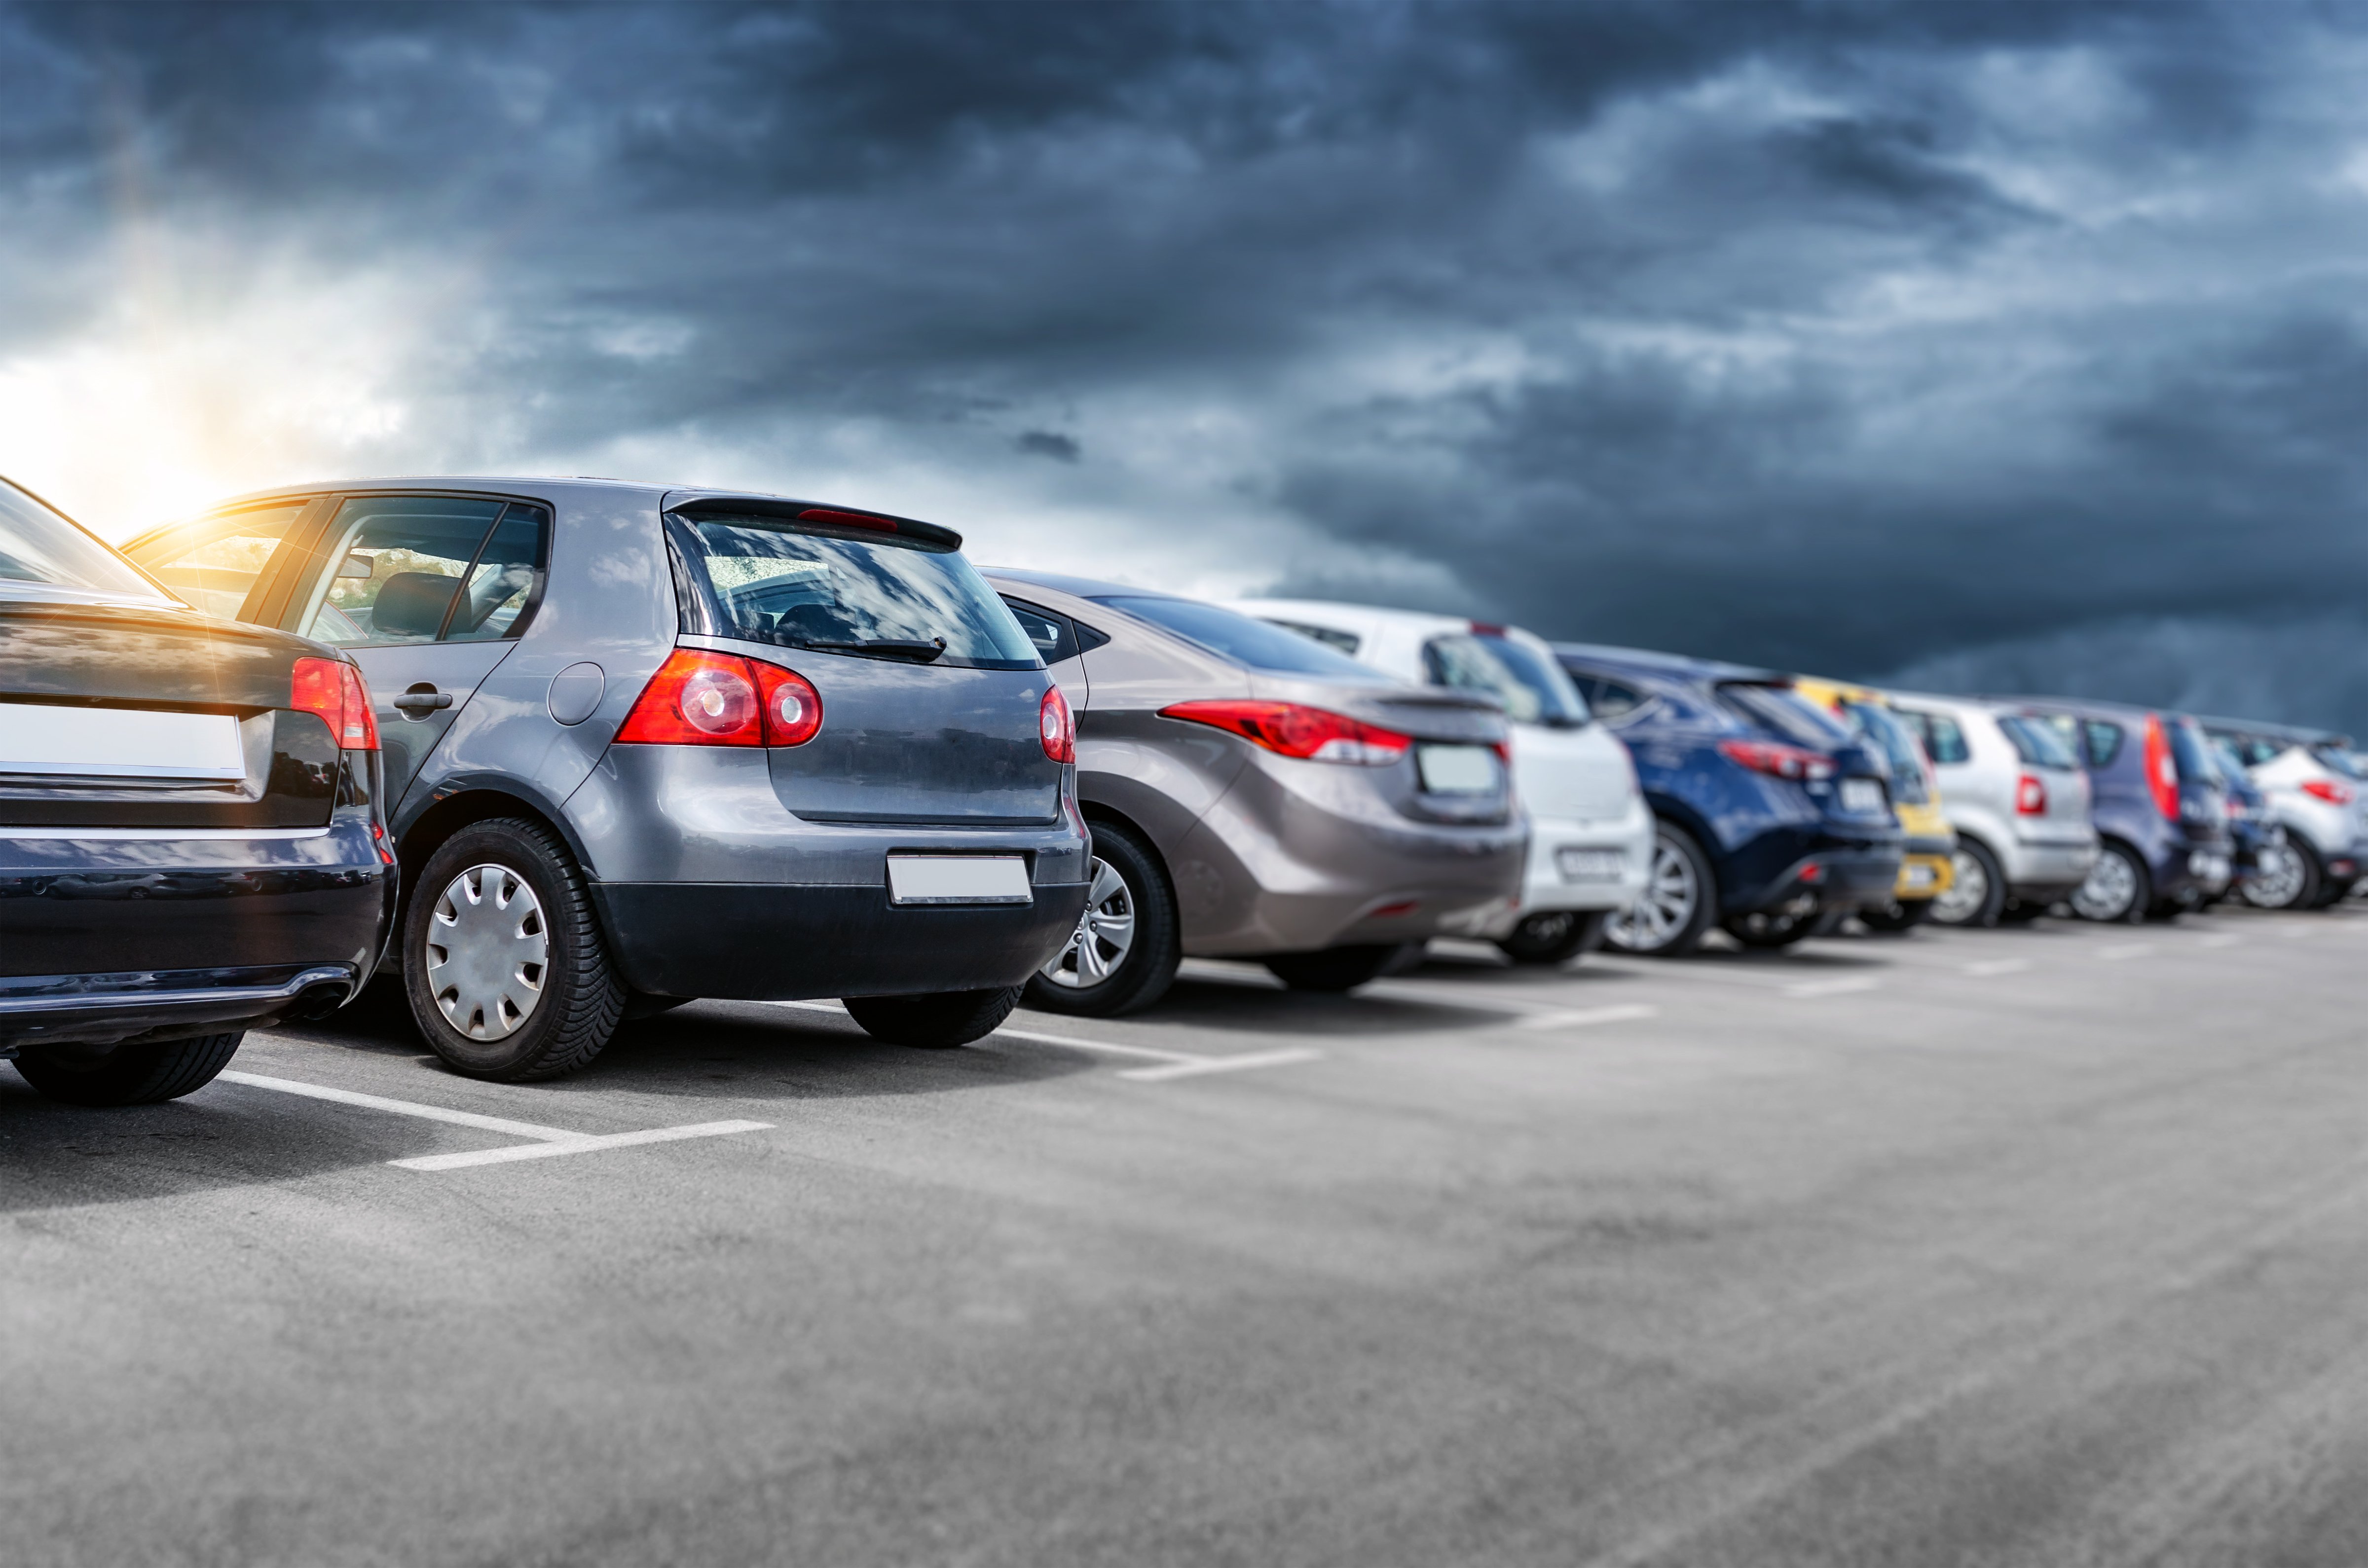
[1056, 726]
[1774, 757]
[700, 699]
[848, 519]
[2030, 795]
[2327, 790]
[333, 689]
[1290, 729]
[2161, 769]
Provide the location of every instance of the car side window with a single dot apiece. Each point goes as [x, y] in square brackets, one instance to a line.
[1054, 635]
[1347, 642]
[2105, 743]
[402, 569]
[215, 563]
[1608, 699]
[1944, 740]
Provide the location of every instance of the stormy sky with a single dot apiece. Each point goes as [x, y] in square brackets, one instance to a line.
[1984, 345]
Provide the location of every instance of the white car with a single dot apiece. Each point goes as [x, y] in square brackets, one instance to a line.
[1591, 833]
[2315, 791]
[2019, 800]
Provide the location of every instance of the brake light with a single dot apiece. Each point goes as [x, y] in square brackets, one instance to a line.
[1056, 726]
[333, 689]
[700, 699]
[2161, 771]
[2030, 795]
[1292, 728]
[848, 519]
[1774, 757]
[2328, 789]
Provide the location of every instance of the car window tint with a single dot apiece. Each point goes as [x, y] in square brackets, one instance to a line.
[1789, 715]
[2036, 742]
[1943, 738]
[1898, 747]
[810, 584]
[1260, 645]
[1610, 700]
[1558, 701]
[394, 566]
[2103, 741]
[2336, 759]
[44, 555]
[1331, 637]
[1469, 664]
[215, 562]
[1052, 636]
[502, 578]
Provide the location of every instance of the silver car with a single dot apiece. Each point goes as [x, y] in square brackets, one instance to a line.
[645, 744]
[2018, 801]
[1256, 794]
[2314, 790]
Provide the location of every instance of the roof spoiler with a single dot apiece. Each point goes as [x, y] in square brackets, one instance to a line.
[712, 504]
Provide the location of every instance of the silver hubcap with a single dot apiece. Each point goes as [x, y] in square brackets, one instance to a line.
[1968, 885]
[1104, 933]
[2111, 888]
[487, 950]
[2279, 880]
[1671, 897]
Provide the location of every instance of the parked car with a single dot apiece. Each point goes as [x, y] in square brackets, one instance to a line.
[2258, 845]
[2160, 808]
[2018, 801]
[1590, 834]
[2316, 793]
[1256, 794]
[1928, 868]
[645, 744]
[197, 843]
[1770, 816]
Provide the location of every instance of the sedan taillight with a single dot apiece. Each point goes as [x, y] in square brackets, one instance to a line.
[1292, 728]
[333, 689]
[702, 698]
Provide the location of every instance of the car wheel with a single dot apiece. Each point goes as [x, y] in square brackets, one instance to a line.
[2287, 878]
[1766, 928]
[2118, 890]
[1123, 954]
[1679, 904]
[1977, 895]
[127, 1075]
[502, 957]
[1892, 918]
[1555, 936]
[938, 1021]
[1336, 969]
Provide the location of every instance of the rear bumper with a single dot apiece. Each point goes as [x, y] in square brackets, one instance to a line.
[1926, 871]
[2045, 872]
[1583, 865]
[1838, 879]
[107, 1009]
[748, 942]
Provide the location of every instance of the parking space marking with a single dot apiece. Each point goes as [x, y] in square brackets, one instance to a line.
[2220, 939]
[1850, 986]
[1172, 1064]
[548, 1142]
[1580, 1018]
[2121, 950]
[1989, 967]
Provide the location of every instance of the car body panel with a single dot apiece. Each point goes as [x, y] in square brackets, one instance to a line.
[2043, 855]
[2189, 858]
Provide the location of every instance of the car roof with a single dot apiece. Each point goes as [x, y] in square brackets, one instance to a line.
[1415, 621]
[2087, 707]
[1683, 666]
[2293, 734]
[1080, 587]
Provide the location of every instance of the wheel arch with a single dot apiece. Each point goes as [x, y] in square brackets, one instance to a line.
[457, 805]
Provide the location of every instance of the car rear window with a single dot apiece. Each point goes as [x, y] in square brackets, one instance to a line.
[1898, 748]
[2036, 742]
[2187, 749]
[1330, 636]
[1794, 717]
[1533, 689]
[44, 556]
[1260, 645]
[800, 584]
[1945, 741]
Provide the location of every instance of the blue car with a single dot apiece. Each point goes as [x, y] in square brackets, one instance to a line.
[1770, 817]
[2159, 805]
[2258, 842]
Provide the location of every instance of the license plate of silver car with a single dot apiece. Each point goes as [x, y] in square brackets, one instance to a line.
[1456, 771]
[958, 878]
[1862, 796]
[54, 740]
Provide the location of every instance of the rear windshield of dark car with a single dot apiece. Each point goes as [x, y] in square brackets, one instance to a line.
[2190, 752]
[806, 585]
[1794, 718]
[44, 556]
[1260, 645]
[2036, 742]
[1898, 748]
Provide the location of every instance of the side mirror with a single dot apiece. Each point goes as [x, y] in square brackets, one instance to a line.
[357, 565]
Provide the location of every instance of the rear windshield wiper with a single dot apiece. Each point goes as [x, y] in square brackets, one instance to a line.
[912, 648]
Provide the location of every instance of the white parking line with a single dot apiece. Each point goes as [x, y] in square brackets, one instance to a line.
[2220, 939]
[1580, 1018]
[2121, 950]
[548, 1143]
[1172, 1064]
[1997, 966]
[1833, 987]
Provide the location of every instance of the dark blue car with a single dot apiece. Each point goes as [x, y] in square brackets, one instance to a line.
[2160, 803]
[2258, 843]
[1770, 816]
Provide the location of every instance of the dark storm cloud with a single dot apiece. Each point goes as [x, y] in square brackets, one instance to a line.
[1848, 335]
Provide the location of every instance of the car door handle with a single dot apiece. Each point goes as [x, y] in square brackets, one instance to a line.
[423, 701]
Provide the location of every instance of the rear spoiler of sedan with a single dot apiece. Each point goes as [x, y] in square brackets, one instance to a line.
[930, 536]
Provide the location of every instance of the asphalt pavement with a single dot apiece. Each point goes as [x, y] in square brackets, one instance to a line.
[2041, 1247]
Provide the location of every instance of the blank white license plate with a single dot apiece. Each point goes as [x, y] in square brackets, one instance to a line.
[958, 878]
[1861, 796]
[1456, 771]
[1918, 875]
[1590, 865]
[51, 741]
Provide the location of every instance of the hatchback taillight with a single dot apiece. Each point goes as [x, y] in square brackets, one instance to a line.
[1780, 760]
[334, 690]
[1293, 729]
[2328, 789]
[2030, 795]
[1056, 726]
[702, 698]
[2161, 769]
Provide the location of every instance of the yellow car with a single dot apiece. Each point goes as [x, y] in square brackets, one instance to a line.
[1925, 874]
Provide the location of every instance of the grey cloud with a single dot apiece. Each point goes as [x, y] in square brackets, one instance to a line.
[1048, 444]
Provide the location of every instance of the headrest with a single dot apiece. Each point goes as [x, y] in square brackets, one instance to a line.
[412, 603]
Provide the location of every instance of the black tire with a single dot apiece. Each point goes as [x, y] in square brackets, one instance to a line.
[2332, 891]
[1335, 968]
[1976, 896]
[1556, 936]
[649, 1004]
[1894, 919]
[2278, 887]
[1679, 919]
[938, 1021]
[127, 1075]
[581, 997]
[1764, 928]
[1147, 968]
[2120, 889]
